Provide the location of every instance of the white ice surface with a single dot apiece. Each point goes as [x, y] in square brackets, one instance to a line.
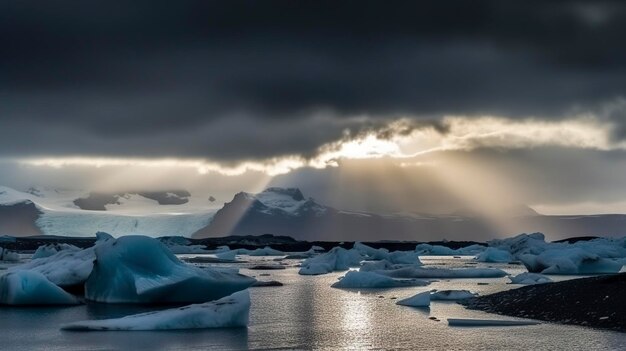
[370, 280]
[32, 288]
[227, 312]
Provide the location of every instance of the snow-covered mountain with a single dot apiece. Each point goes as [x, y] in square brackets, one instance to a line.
[282, 211]
[278, 211]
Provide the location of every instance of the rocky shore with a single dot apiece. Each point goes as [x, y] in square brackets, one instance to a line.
[594, 302]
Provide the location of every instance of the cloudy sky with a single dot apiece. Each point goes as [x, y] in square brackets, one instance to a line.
[403, 106]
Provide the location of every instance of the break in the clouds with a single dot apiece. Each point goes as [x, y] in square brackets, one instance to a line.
[445, 101]
[243, 81]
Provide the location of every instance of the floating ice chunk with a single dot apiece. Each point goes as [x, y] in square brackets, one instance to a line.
[370, 252]
[383, 265]
[445, 273]
[571, 260]
[522, 244]
[404, 257]
[492, 254]
[266, 251]
[51, 249]
[139, 269]
[227, 312]
[418, 300]
[529, 279]
[227, 255]
[337, 259]
[66, 268]
[301, 255]
[435, 250]
[461, 322]
[32, 288]
[471, 250]
[452, 295]
[318, 248]
[370, 280]
[8, 255]
[438, 250]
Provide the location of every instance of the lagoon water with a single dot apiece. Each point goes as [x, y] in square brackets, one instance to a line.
[306, 313]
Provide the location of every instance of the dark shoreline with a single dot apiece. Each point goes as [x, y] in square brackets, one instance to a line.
[596, 302]
[251, 242]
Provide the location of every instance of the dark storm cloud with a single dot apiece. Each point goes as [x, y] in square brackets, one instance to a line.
[236, 80]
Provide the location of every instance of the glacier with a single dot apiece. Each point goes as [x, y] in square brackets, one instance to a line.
[227, 312]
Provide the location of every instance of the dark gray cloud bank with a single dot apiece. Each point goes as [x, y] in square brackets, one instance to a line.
[236, 80]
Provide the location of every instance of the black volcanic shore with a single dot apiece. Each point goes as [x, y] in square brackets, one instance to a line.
[594, 302]
[282, 243]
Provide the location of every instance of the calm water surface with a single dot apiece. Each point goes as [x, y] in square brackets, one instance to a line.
[307, 313]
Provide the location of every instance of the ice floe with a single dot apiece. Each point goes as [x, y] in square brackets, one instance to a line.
[444, 273]
[529, 279]
[452, 295]
[32, 288]
[66, 268]
[337, 259]
[370, 280]
[8, 255]
[227, 312]
[495, 255]
[51, 249]
[419, 300]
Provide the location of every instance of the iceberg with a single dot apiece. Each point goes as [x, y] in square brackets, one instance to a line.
[494, 255]
[404, 257]
[226, 255]
[572, 260]
[337, 259]
[66, 268]
[370, 280]
[452, 295]
[442, 273]
[32, 288]
[51, 249]
[529, 279]
[139, 269]
[227, 312]
[418, 300]
[266, 251]
[370, 252]
[180, 245]
[438, 250]
[8, 255]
